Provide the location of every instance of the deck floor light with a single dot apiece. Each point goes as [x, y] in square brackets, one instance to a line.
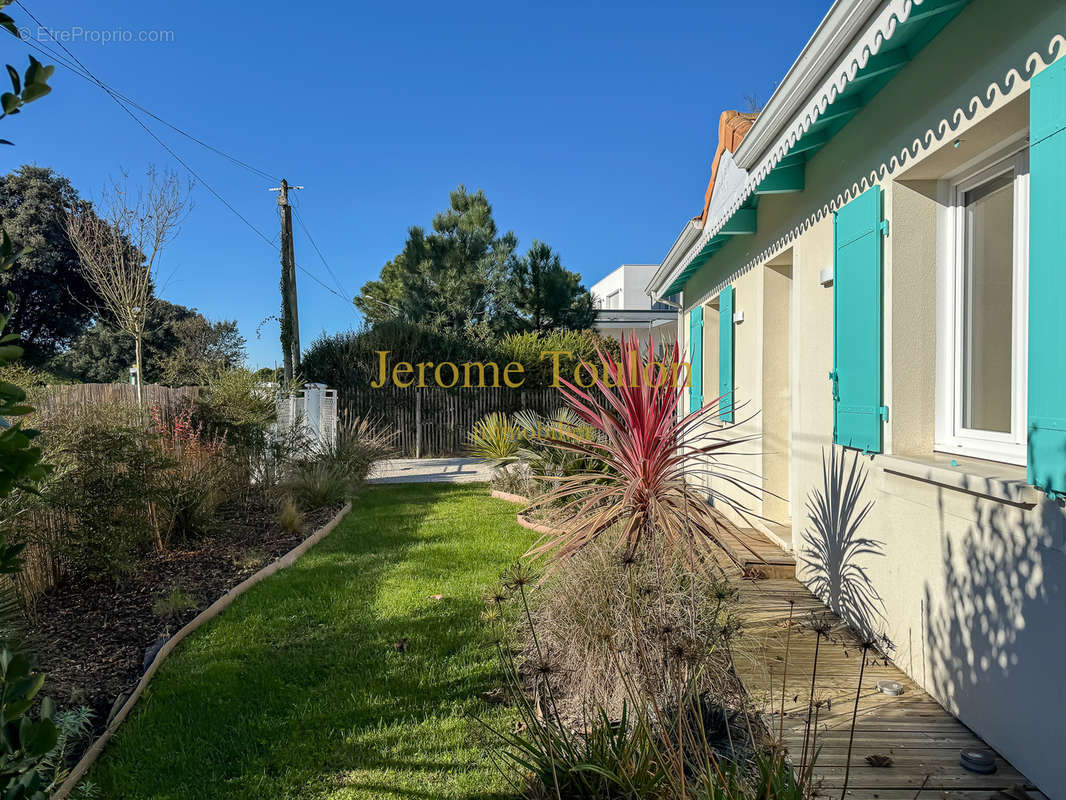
[978, 759]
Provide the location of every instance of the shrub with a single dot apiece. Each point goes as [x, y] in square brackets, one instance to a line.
[24, 742]
[527, 349]
[513, 479]
[328, 476]
[317, 484]
[102, 491]
[358, 446]
[496, 438]
[605, 620]
[197, 479]
[74, 728]
[290, 518]
[237, 407]
[349, 359]
[680, 738]
[544, 441]
[649, 452]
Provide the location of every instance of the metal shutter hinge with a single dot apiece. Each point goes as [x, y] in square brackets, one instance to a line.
[883, 227]
[883, 411]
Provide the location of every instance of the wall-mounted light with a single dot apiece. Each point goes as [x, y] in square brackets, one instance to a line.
[738, 316]
[956, 143]
[825, 277]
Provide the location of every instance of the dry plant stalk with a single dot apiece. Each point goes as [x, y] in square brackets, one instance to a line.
[120, 244]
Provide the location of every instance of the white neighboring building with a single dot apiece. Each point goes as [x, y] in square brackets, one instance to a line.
[623, 304]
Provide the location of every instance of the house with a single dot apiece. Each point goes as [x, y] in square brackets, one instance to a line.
[877, 287]
[623, 305]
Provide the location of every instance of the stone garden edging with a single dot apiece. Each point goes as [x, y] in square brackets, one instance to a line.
[510, 498]
[206, 615]
[521, 518]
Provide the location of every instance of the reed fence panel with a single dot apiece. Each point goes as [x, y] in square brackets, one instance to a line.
[437, 422]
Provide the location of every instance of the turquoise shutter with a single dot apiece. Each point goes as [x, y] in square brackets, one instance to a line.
[1047, 280]
[725, 353]
[695, 349]
[857, 410]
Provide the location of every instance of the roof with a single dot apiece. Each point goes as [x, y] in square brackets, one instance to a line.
[857, 49]
[732, 127]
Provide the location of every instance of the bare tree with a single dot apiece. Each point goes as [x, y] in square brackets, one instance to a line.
[120, 246]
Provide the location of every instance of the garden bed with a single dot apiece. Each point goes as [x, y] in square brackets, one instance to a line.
[91, 638]
[356, 672]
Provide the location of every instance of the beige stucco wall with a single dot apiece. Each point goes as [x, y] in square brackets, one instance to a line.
[967, 579]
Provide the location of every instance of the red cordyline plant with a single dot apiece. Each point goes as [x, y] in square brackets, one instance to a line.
[647, 450]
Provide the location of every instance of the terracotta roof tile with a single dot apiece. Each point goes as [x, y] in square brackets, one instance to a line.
[733, 126]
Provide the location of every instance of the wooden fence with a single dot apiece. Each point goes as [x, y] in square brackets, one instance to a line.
[428, 422]
[51, 399]
[437, 422]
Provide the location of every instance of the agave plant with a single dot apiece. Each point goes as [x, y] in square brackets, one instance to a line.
[650, 454]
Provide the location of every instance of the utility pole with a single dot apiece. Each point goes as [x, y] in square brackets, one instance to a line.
[290, 317]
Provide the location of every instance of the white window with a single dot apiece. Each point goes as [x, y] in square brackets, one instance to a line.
[983, 316]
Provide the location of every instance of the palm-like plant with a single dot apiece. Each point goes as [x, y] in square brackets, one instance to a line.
[650, 455]
[495, 438]
[548, 461]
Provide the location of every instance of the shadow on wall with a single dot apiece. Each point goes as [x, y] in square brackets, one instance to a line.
[995, 632]
[835, 547]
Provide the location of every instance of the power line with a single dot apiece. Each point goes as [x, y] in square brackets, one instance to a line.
[86, 73]
[311, 239]
[147, 130]
[81, 72]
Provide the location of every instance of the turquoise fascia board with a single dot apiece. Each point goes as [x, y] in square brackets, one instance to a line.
[782, 180]
[744, 221]
[920, 28]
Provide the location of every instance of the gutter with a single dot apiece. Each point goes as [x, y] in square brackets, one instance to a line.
[677, 255]
[844, 42]
[837, 30]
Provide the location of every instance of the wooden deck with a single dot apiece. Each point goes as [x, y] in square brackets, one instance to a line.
[919, 736]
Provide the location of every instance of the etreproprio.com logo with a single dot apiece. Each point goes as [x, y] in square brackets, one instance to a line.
[76, 33]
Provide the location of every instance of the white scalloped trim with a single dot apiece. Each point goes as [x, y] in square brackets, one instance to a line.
[1014, 82]
[869, 45]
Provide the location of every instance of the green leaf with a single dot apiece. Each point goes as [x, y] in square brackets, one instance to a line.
[10, 102]
[8, 24]
[16, 81]
[35, 91]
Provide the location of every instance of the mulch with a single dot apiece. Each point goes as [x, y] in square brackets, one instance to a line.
[90, 637]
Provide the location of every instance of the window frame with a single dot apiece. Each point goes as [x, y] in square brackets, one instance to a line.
[950, 435]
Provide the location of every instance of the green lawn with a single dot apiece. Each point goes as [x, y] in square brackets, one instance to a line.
[296, 691]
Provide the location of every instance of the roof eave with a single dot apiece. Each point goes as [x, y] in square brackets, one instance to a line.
[674, 258]
[830, 41]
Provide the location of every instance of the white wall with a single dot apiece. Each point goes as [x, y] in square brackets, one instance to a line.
[966, 578]
[630, 280]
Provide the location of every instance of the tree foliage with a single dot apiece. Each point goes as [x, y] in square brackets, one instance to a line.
[179, 345]
[464, 276]
[547, 295]
[120, 251]
[56, 302]
[24, 741]
[350, 359]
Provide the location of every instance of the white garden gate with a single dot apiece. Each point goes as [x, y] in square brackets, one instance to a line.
[312, 412]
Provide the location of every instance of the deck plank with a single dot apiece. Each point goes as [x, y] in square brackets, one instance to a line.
[922, 738]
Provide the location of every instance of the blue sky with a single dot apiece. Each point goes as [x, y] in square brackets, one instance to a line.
[590, 128]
